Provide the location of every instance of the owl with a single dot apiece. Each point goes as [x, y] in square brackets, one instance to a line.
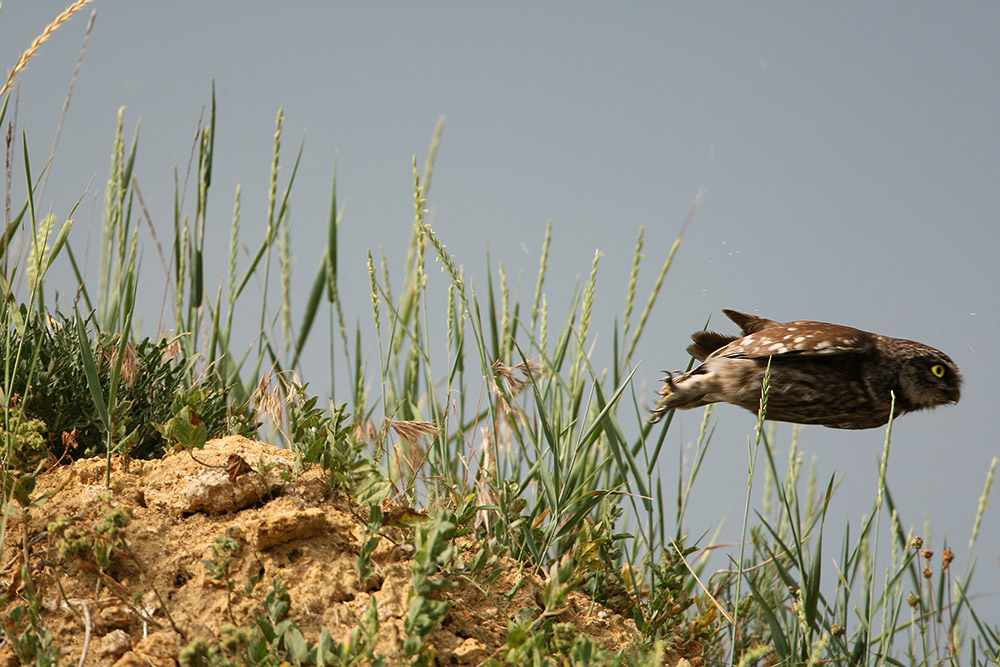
[821, 373]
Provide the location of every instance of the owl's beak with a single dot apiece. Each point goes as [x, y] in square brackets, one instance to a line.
[953, 394]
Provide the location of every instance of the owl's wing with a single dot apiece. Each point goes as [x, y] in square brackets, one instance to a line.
[746, 322]
[707, 342]
[799, 339]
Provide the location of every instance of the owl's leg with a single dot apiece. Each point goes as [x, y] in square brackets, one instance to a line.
[687, 391]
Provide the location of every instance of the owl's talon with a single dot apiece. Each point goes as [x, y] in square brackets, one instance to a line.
[669, 386]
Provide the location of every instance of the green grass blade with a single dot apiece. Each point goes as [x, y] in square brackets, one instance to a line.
[312, 306]
[616, 438]
[782, 647]
[93, 381]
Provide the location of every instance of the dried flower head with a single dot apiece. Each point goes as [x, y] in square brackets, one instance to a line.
[294, 389]
[130, 361]
[518, 376]
[485, 494]
[265, 399]
[946, 557]
[514, 378]
[413, 429]
[171, 350]
[365, 431]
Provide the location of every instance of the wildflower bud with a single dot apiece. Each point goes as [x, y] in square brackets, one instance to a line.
[916, 543]
[913, 600]
[837, 630]
[928, 573]
[927, 553]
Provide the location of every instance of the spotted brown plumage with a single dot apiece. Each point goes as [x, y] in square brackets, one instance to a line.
[821, 373]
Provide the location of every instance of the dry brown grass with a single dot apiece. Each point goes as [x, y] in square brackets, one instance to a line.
[22, 62]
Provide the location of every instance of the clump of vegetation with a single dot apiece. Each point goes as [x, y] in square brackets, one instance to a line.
[276, 639]
[94, 544]
[52, 393]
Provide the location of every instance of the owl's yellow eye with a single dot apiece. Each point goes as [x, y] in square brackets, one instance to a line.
[937, 370]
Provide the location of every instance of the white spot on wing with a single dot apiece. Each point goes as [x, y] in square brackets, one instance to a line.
[779, 348]
[823, 344]
[792, 329]
[799, 339]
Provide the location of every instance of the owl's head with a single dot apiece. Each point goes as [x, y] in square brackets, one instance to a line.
[929, 378]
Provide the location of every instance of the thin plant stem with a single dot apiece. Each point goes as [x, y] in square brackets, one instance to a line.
[752, 451]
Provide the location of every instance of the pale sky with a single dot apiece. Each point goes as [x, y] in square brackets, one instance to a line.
[850, 154]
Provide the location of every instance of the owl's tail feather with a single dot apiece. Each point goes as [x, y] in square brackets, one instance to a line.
[707, 342]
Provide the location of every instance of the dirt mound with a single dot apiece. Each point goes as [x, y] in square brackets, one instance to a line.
[155, 593]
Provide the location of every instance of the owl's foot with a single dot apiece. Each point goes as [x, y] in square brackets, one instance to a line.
[682, 391]
[668, 383]
[668, 390]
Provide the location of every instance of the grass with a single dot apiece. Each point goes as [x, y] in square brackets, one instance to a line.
[506, 432]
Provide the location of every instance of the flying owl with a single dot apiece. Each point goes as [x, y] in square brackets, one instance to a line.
[821, 373]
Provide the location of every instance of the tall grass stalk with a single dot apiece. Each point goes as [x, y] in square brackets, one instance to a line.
[752, 449]
[873, 563]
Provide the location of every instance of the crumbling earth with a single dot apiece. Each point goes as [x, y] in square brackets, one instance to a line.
[156, 594]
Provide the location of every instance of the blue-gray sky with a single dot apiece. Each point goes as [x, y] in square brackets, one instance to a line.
[850, 154]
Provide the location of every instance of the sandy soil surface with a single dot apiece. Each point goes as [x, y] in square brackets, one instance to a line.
[156, 594]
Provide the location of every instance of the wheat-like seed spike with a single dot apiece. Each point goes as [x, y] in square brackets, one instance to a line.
[22, 62]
